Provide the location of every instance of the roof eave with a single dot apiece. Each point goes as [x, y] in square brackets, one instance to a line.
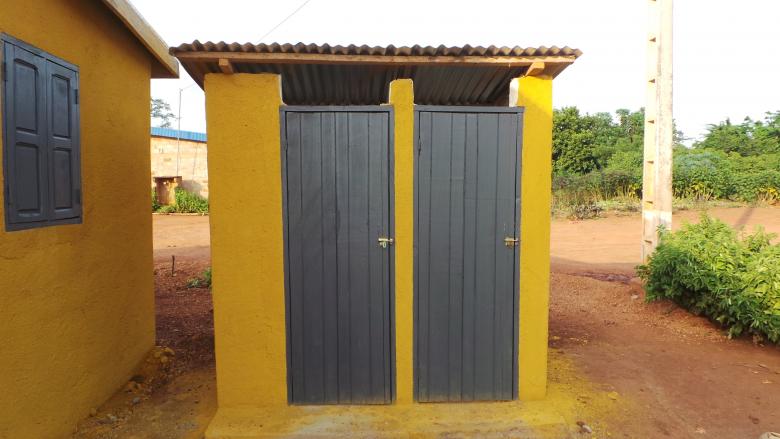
[165, 65]
[552, 65]
[310, 58]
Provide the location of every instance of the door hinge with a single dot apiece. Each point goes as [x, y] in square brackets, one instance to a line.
[4, 72]
[76, 95]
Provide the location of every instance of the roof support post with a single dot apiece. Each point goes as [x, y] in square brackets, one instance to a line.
[535, 94]
[402, 100]
[226, 66]
[535, 69]
[249, 291]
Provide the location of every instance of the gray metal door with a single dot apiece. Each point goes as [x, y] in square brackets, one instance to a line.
[337, 180]
[466, 259]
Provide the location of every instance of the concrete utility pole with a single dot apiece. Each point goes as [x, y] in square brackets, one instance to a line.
[659, 127]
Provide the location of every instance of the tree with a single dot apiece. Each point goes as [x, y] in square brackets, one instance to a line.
[631, 126]
[766, 134]
[584, 143]
[749, 138]
[573, 142]
[161, 110]
[728, 137]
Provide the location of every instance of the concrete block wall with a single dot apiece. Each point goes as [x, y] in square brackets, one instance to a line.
[192, 163]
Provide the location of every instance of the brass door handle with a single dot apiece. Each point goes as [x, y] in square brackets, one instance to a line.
[510, 242]
[384, 242]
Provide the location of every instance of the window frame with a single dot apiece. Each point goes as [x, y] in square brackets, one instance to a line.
[77, 183]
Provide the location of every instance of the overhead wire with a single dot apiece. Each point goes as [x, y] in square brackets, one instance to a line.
[283, 21]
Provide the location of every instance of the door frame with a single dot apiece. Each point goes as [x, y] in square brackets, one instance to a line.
[283, 109]
[518, 216]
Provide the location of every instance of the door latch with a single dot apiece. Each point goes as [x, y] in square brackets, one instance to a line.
[510, 242]
[384, 242]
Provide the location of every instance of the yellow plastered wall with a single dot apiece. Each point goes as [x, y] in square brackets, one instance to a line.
[402, 99]
[76, 301]
[535, 94]
[247, 248]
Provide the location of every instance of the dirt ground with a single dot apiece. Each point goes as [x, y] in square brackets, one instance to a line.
[611, 245]
[680, 374]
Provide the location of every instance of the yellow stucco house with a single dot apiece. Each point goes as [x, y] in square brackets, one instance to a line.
[395, 249]
[76, 285]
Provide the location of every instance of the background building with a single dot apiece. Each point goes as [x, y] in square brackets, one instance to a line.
[180, 153]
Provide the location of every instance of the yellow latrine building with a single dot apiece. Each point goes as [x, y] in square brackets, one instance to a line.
[380, 224]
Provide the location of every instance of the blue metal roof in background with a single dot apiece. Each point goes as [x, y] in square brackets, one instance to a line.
[176, 134]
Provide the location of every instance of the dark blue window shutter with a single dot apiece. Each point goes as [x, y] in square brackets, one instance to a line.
[63, 141]
[25, 146]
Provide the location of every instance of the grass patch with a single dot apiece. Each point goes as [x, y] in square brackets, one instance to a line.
[186, 202]
[202, 281]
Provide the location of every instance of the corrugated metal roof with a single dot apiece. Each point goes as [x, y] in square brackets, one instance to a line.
[352, 49]
[175, 134]
[360, 75]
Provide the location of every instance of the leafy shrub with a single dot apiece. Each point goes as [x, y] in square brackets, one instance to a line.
[204, 281]
[759, 185]
[166, 209]
[187, 202]
[621, 204]
[628, 162]
[585, 210]
[155, 202]
[586, 196]
[700, 174]
[737, 162]
[710, 269]
[600, 185]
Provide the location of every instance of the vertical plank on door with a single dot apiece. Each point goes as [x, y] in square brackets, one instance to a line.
[485, 254]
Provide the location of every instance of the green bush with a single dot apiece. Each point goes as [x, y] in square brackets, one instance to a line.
[204, 281]
[701, 174]
[586, 196]
[762, 185]
[187, 202]
[600, 185]
[166, 209]
[734, 162]
[698, 175]
[711, 269]
[155, 202]
[628, 162]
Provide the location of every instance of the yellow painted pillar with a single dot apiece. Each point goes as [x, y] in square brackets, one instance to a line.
[402, 99]
[247, 250]
[535, 94]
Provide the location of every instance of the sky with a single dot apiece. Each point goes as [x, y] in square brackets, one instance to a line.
[726, 53]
